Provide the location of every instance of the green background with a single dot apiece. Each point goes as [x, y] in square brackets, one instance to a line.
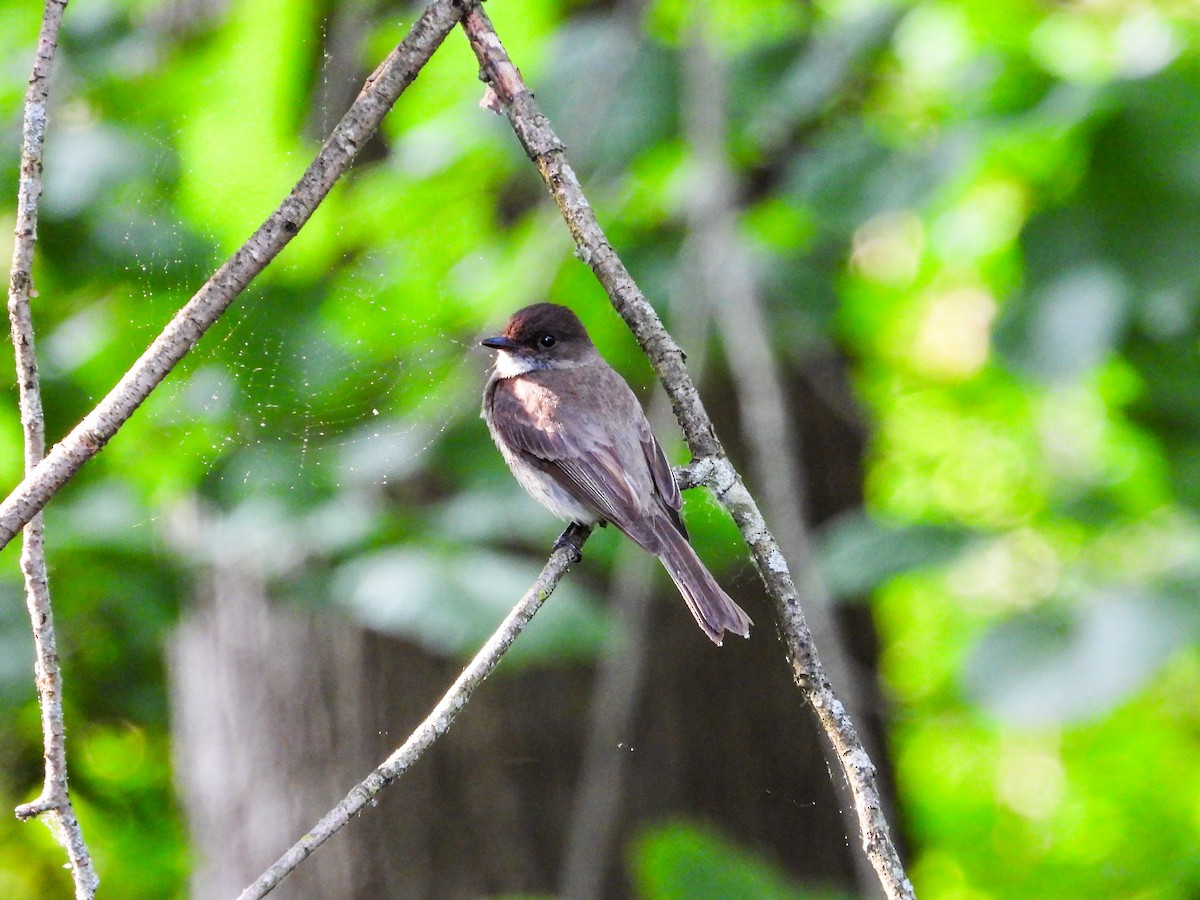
[993, 208]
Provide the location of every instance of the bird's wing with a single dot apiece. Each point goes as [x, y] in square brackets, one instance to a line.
[664, 478]
[584, 458]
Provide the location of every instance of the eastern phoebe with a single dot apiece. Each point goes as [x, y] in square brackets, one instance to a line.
[576, 438]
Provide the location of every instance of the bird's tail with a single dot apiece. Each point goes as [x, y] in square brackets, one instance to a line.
[714, 610]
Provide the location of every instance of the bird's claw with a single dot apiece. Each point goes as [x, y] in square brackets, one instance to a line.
[571, 541]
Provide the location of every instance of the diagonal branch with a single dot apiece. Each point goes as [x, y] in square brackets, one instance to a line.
[436, 724]
[546, 151]
[722, 277]
[54, 801]
[183, 332]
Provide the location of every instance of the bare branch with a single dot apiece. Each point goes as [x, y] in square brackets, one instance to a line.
[436, 723]
[722, 277]
[381, 90]
[54, 801]
[546, 151]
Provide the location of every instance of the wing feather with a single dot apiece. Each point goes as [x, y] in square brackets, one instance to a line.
[616, 475]
[664, 479]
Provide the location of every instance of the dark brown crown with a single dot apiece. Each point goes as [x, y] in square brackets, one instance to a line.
[528, 324]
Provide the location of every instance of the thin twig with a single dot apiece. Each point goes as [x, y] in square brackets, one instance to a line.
[54, 802]
[382, 89]
[546, 151]
[435, 724]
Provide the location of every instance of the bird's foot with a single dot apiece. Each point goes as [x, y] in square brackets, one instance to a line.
[572, 540]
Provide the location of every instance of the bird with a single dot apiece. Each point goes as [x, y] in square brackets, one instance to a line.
[577, 439]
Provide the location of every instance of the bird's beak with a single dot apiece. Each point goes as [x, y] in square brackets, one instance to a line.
[499, 343]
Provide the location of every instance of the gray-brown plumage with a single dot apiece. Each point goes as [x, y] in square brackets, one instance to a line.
[577, 440]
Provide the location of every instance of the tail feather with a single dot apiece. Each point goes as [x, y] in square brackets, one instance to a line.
[714, 610]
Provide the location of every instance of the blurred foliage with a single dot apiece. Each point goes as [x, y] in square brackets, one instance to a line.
[681, 861]
[992, 208]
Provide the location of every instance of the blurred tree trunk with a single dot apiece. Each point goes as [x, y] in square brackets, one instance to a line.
[278, 712]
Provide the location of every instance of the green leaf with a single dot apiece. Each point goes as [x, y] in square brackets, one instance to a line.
[858, 553]
[1075, 662]
[683, 861]
[452, 601]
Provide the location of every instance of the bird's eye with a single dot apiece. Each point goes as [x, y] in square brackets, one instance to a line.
[546, 340]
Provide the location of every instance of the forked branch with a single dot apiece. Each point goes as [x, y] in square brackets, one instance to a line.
[44, 475]
[184, 331]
